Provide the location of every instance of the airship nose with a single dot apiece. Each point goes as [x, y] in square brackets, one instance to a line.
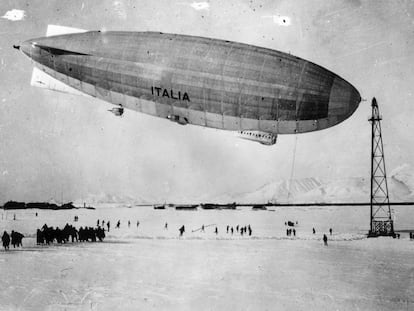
[27, 48]
[344, 99]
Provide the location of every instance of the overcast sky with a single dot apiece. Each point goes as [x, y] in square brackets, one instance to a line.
[54, 144]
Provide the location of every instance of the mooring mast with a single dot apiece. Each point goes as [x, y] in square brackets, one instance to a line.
[381, 220]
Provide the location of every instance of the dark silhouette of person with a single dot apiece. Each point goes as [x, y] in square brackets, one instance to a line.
[39, 237]
[108, 224]
[231, 230]
[16, 239]
[313, 230]
[294, 232]
[182, 230]
[6, 240]
[325, 240]
[129, 224]
[227, 229]
[81, 234]
[166, 226]
[100, 234]
[137, 223]
[216, 231]
[330, 231]
[202, 228]
[13, 239]
[118, 224]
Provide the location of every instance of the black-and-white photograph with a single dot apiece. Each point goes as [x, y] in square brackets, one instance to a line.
[206, 155]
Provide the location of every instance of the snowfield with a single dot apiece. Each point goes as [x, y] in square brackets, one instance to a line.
[151, 268]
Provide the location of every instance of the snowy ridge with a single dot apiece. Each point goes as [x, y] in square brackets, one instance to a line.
[312, 190]
[309, 190]
[316, 190]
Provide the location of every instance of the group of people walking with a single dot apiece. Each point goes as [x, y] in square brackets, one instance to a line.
[48, 235]
[15, 238]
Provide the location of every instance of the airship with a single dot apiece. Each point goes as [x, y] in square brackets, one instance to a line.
[255, 91]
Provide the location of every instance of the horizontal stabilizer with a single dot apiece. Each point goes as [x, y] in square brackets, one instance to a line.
[43, 80]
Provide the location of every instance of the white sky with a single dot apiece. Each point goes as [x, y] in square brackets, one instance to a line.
[54, 143]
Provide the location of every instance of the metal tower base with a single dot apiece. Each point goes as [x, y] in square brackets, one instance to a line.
[381, 228]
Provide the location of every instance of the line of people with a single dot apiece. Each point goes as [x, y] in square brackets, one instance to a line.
[291, 231]
[239, 229]
[117, 226]
[243, 230]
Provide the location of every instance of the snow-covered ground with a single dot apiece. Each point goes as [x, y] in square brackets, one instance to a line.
[152, 268]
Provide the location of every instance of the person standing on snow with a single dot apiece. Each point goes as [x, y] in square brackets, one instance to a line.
[325, 240]
[6, 240]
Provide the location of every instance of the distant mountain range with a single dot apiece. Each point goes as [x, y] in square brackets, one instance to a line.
[306, 190]
[316, 190]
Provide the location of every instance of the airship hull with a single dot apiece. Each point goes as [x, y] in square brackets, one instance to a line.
[207, 82]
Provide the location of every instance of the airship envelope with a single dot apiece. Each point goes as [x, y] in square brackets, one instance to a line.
[214, 83]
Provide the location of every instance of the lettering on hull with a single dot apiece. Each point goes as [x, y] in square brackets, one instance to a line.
[161, 92]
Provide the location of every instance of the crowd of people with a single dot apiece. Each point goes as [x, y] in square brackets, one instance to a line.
[48, 235]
